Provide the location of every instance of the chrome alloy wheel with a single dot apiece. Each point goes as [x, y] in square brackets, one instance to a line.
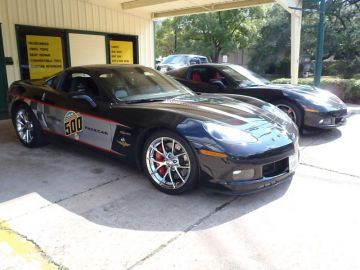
[168, 163]
[288, 110]
[24, 126]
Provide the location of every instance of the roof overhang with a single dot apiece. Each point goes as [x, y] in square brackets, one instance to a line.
[157, 9]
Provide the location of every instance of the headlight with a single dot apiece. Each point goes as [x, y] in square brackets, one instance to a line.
[228, 134]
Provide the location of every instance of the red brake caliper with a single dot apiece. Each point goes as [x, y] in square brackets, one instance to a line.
[160, 158]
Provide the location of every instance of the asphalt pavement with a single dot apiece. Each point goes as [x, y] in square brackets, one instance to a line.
[78, 209]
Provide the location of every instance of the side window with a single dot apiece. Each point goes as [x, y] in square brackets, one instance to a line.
[216, 75]
[203, 60]
[197, 74]
[115, 84]
[194, 61]
[52, 82]
[80, 82]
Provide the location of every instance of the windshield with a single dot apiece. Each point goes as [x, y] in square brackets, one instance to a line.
[140, 84]
[243, 76]
[175, 59]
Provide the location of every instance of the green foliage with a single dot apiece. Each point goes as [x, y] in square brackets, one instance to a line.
[273, 45]
[209, 34]
[342, 38]
[347, 89]
[267, 30]
[346, 68]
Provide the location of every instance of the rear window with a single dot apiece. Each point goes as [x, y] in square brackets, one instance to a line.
[203, 60]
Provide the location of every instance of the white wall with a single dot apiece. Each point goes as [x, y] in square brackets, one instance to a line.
[71, 14]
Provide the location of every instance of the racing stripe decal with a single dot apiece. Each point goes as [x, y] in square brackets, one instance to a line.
[88, 129]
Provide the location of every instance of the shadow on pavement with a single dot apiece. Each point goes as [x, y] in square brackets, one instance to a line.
[319, 136]
[105, 190]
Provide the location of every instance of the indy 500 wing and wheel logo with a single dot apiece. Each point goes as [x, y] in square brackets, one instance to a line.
[73, 123]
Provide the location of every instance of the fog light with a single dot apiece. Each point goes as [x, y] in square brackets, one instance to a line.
[247, 174]
[325, 121]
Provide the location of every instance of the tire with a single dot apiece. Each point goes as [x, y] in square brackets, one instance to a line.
[179, 172]
[292, 110]
[27, 127]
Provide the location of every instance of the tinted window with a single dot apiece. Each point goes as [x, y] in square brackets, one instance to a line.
[53, 82]
[175, 59]
[80, 82]
[134, 83]
[208, 75]
[203, 60]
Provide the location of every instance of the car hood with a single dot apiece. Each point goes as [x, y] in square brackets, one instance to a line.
[227, 111]
[315, 95]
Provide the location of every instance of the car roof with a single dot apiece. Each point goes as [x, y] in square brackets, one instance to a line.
[105, 66]
[184, 54]
[102, 66]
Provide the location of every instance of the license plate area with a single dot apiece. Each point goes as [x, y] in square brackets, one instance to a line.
[293, 161]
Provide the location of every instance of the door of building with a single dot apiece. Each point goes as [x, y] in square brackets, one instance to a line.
[3, 80]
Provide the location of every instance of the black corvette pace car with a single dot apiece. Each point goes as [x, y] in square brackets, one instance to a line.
[308, 106]
[180, 139]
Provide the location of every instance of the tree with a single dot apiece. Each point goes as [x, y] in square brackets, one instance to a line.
[272, 49]
[342, 36]
[209, 34]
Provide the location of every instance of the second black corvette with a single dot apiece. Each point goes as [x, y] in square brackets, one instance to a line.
[180, 139]
[307, 106]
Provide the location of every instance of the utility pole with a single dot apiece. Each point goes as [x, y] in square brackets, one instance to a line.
[320, 44]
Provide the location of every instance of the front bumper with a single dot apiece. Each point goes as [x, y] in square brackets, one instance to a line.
[252, 186]
[218, 174]
[326, 120]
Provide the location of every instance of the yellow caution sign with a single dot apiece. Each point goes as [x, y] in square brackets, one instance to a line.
[45, 56]
[121, 52]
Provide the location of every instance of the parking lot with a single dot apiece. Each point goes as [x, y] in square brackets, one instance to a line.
[80, 209]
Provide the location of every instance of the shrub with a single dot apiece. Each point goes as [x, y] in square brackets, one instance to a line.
[345, 68]
[346, 89]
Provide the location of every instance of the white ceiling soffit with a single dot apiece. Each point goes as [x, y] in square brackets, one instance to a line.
[170, 8]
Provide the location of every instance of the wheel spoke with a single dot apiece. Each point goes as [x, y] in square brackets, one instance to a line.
[153, 148]
[27, 136]
[172, 181]
[163, 178]
[183, 167]
[179, 155]
[20, 127]
[30, 136]
[163, 146]
[154, 160]
[173, 146]
[21, 117]
[179, 174]
[161, 165]
[26, 117]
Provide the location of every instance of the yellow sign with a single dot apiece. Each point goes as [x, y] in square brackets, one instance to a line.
[45, 56]
[121, 52]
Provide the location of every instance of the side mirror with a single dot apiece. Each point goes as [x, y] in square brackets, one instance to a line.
[219, 84]
[84, 97]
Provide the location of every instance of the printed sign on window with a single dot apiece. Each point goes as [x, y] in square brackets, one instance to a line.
[45, 56]
[121, 52]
